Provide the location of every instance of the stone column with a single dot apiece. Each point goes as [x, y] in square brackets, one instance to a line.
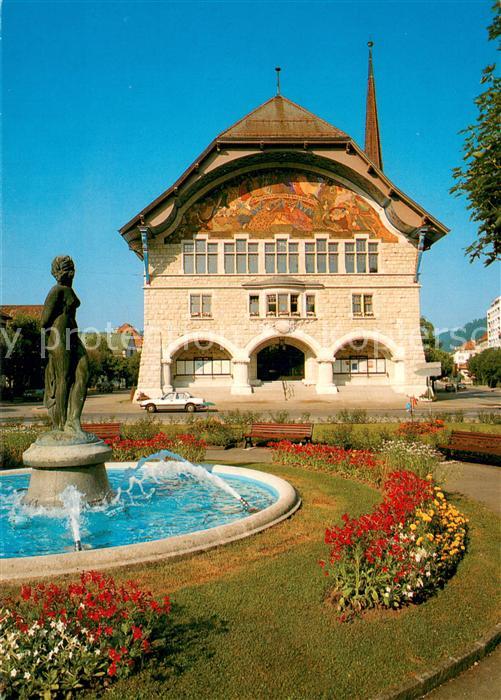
[240, 385]
[398, 379]
[325, 384]
[166, 376]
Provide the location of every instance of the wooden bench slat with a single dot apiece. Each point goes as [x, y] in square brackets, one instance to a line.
[488, 444]
[297, 431]
[102, 430]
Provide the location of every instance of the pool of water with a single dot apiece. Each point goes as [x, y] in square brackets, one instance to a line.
[152, 510]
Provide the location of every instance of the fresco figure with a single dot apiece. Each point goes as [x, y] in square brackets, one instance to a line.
[67, 371]
[284, 200]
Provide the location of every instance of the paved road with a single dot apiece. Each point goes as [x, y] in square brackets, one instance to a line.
[305, 401]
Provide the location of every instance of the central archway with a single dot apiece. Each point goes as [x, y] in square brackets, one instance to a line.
[280, 361]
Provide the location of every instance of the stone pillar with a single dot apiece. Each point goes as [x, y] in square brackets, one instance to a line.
[166, 376]
[325, 384]
[398, 379]
[240, 385]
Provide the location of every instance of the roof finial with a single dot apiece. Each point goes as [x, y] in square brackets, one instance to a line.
[372, 136]
[370, 44]
[278, 69]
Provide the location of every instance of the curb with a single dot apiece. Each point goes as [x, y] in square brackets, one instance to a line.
[448, 669]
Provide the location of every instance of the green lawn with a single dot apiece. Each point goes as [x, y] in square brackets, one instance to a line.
[250, 620]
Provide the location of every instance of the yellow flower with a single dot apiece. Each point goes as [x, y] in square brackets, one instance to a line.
[430, 536]
[419, 540]
[413, 526]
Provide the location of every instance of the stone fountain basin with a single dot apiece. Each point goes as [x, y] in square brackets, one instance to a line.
[288, 501]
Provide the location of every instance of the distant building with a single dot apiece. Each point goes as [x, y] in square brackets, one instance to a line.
[124, 341]
[136, 338]
[494, 324]
[463, 353]
[483, 342]
[14, 310]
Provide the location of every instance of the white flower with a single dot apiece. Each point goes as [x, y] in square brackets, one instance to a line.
[388, 589]
[27, 675]
[13, 673]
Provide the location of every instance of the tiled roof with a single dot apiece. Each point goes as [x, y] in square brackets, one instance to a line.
[33, 310]
[281, 119]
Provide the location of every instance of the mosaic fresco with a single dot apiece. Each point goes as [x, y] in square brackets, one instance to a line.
[284, 201]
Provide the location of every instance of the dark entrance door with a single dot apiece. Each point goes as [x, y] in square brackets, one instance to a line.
[280, 362]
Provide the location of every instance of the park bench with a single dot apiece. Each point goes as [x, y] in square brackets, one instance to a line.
[480, 446]
[279, 431]
[104, 431]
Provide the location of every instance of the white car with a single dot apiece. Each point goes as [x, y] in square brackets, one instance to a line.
[175, 401]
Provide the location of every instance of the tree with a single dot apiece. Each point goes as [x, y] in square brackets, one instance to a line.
[478, 178]
[486, 367]
[427, 333]
[20, 355]
[432, 350]
[438, 355]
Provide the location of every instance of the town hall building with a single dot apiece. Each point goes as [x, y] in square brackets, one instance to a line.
[283, 252]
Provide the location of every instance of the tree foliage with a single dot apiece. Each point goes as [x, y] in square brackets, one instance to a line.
[478, 178]
[486, 367]
[21, 361]
[432, 350]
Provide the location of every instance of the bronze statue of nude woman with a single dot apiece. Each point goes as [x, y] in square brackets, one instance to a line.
[67, 371]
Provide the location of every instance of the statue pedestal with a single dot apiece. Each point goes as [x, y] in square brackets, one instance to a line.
[57, 463]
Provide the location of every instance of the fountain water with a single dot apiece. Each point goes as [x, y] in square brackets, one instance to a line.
[164, 464]
[71, 499]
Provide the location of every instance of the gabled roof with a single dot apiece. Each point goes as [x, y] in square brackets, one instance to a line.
[280, 119]
[279, 125]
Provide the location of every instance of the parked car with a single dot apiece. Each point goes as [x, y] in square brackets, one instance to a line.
[33, 395]
[175, 401]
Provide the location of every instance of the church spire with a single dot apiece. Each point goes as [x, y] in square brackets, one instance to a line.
[372, 139]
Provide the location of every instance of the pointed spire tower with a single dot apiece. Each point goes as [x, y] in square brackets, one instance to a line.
[372, 139]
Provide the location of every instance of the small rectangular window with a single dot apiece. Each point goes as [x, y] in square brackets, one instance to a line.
[368, 305]
[195, 305]
[206, 305]
[349, 255]
[333, 257]
[283, 304]
[361, 305]
[200, 305]
[254, 305]
[269, 257]
[310, 305]
[373, 257]
[356, 303]
[294, 304]
[271, 305]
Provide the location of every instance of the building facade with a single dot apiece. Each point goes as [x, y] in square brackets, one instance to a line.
[494, 324]
[284, 251]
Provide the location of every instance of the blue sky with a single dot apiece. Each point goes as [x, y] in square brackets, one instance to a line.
[106, 103]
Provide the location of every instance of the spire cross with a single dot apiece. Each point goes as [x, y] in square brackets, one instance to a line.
[278, 69]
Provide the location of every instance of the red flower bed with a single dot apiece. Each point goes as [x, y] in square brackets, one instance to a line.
[414, 429]
[187, 446]
[359, 464]
[404, 492]
[76, 635]
[400, 552]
